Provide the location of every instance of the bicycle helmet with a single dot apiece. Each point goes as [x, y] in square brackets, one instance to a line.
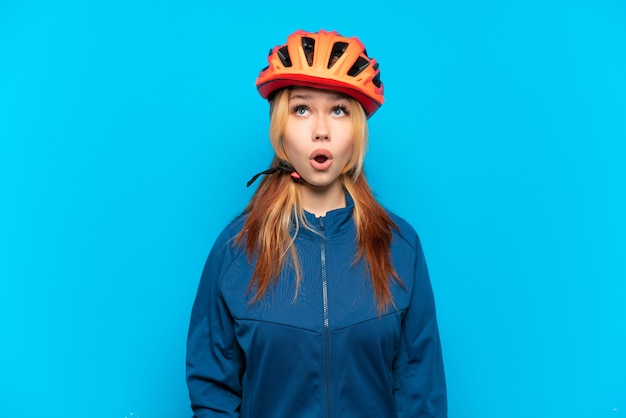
[324, 60]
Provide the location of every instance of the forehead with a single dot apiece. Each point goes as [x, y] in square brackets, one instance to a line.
[316, 94]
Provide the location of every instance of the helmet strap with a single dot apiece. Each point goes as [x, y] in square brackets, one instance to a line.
[284, 167]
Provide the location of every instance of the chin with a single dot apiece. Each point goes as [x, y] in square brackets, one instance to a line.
[322, 183]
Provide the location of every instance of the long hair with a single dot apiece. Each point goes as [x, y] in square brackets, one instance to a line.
[275, 214]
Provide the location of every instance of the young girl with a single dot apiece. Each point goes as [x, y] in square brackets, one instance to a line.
[316, 301]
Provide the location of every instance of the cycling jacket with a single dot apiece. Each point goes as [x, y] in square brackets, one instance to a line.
[325, 353]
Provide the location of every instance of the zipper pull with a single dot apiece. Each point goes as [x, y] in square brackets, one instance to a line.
[322, 222]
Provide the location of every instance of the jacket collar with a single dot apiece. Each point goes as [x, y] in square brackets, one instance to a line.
[334, 223]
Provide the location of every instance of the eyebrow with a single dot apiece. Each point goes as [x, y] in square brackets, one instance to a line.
[304, 96]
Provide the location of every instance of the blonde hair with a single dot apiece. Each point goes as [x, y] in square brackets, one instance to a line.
[275, 210]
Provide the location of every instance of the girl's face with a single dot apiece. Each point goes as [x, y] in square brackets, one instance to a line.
[319, 135]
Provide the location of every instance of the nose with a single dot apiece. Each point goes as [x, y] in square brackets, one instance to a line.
[321, 132]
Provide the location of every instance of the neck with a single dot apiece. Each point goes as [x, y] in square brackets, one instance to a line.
[320, 200]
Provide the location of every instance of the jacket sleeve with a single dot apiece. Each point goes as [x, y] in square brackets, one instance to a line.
[214, 360]
[419, 380]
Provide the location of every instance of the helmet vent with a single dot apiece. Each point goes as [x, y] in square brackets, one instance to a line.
[376, 79]
[338, 49]
[308, 44]
[283, 54]
[358, 66]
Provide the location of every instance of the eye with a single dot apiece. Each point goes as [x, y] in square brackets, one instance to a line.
[340, 110]
[300, 109]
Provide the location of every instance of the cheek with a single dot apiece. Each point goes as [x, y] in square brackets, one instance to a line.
[347, 146]
[291, 150]
[348, 152]
[288, 142]
[296, 137]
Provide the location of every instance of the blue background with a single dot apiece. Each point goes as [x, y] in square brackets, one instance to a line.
[129, 129]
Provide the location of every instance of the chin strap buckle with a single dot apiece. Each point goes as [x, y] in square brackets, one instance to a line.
[295, 177]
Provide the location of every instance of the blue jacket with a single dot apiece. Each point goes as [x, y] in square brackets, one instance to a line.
[325, 354]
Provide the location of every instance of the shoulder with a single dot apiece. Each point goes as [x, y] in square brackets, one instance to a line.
[223, 254]
[230, 231]
[224, 248]
[405, 232]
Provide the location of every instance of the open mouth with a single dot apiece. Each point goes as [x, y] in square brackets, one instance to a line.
[321, 159]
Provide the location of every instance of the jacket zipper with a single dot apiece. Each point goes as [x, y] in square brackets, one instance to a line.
[326, 320]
